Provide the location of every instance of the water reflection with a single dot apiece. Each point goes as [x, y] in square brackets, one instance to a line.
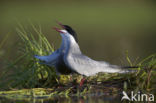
[91, 98]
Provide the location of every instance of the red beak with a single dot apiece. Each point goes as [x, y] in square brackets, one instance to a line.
[57, 29]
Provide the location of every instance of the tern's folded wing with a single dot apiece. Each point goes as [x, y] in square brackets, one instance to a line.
[87, 66]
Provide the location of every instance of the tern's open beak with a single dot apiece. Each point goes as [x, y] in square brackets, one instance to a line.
[58, 30]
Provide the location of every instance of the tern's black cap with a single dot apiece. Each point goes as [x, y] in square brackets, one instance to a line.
[71, 31]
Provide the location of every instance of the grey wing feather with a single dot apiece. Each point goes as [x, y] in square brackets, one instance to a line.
[49, 59]
[87, 66]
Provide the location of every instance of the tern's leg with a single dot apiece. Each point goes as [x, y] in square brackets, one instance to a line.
[82, 81]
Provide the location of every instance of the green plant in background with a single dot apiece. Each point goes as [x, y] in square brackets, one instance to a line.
[144, 80]
[25, 71]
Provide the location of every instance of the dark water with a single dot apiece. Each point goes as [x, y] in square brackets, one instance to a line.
[91, 98]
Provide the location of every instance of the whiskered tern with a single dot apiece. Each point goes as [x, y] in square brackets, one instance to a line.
[81, 64]
[69, 58]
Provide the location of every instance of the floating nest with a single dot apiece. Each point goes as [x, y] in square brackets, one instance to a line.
[69, 85]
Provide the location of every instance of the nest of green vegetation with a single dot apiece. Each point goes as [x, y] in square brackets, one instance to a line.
[26, 78]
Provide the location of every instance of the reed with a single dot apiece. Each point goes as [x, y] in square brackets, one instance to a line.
[25, 71]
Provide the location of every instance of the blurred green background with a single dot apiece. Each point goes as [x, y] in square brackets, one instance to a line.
[106, 29]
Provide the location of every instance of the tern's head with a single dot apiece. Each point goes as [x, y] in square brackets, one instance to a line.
[69, 37]
[66, 35]
[69, 30]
